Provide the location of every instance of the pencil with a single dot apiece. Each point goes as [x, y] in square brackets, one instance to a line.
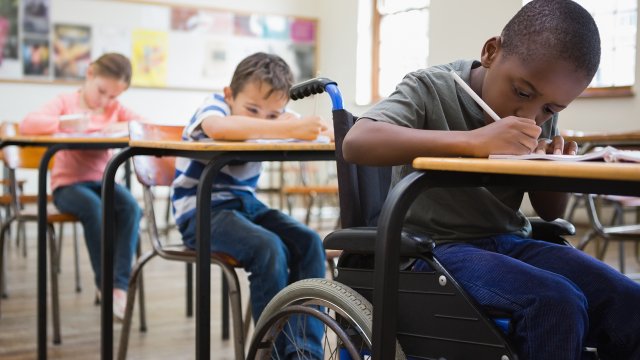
[475, 96]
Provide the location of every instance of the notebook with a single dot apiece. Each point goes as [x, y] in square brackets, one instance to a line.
[608, 154]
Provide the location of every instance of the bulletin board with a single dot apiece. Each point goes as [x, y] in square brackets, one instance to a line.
[173, 46]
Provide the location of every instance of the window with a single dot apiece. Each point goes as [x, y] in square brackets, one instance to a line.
[384, 55]
[616, 20]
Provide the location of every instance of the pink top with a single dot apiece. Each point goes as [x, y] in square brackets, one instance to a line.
[72, 166]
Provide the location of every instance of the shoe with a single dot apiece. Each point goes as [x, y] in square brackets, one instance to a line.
[119, 303]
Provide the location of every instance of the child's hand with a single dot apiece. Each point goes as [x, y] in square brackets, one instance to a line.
[306, 128]
[556, 146]
[511, 135]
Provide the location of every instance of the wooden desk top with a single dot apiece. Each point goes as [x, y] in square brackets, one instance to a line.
[231, 145]
[599, 137]
[57, 139]
[577, 170]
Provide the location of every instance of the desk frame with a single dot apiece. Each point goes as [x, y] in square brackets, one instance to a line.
[53, 145]
[217, 160]
[385, 299]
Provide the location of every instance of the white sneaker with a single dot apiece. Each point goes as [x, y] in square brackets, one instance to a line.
[119, 303]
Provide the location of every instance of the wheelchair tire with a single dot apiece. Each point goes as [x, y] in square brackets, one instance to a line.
[346, 313]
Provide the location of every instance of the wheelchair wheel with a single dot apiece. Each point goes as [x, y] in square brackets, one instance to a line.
[345, 315]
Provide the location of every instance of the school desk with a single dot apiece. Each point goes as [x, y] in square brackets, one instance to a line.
[54, 144]
[219, 154]
[584, 177]
[590, 140]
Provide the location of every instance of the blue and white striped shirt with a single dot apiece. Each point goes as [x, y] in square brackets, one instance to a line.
[232, 181]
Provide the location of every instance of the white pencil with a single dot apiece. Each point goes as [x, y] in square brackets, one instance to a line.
[475, 96]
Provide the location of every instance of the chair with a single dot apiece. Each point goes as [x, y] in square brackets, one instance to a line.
[616, 230]
[307, 185]
[436, 318]
[152, 173]
[29, 158]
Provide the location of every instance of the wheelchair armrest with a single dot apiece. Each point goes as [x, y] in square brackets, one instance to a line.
[551, 230]
[362, 240]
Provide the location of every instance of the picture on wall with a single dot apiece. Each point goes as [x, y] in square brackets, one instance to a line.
[71, 51]
[35, 56]
[201, 21]
[8, 30]
[149, 58]
[35, 16]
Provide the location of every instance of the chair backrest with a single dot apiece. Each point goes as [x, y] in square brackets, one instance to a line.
[362, 190]
[24, 157]
[154, 170]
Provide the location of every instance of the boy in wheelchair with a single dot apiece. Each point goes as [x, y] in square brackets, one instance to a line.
[558, 298]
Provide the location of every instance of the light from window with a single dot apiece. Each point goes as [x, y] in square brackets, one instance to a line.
[616, 20]
[398, 20]
[399, 57]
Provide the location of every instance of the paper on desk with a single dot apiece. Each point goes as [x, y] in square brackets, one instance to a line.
[608, 154]
[322, 139]
[96, 134]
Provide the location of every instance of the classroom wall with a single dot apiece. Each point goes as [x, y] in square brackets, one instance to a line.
[156, 105]
[484, 19]
[458, 29]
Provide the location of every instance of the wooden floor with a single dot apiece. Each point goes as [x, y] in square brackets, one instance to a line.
[170, 335]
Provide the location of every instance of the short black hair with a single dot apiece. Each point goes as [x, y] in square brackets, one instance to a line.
[556, 29]
[263, 68]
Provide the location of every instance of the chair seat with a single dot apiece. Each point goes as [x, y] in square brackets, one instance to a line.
[632, 232]
[625, 201]
[182, 252]
[53, 215]
[325, 189]
[24, 199]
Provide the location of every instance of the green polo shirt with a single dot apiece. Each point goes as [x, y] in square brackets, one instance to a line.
[430, 99]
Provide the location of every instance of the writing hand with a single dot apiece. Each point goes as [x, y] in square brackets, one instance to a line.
[556, 146]
[511, 135]
[306, 128]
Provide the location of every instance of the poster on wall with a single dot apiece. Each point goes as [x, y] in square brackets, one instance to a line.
[149, 58]
[36, 52]
[201, 21]
[35, 56]
[9, 64]
[111, 39]
[71, 51]
[35, 16]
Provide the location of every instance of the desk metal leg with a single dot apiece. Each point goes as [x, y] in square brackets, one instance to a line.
[42, 252]
[108, 234]
[203, 261]
[385, 299]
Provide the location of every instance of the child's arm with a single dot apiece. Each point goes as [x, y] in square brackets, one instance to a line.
[287, 125]
[372, 142]
[45, 120]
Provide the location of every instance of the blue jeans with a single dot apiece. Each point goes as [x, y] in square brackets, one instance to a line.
[559, 298]
[83, 201]
[274, 248]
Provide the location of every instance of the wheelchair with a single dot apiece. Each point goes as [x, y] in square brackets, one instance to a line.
[436, 318]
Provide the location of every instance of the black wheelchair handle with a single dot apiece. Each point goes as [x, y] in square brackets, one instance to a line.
[309, 87]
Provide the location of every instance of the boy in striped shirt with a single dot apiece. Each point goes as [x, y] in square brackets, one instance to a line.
[273, 247]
